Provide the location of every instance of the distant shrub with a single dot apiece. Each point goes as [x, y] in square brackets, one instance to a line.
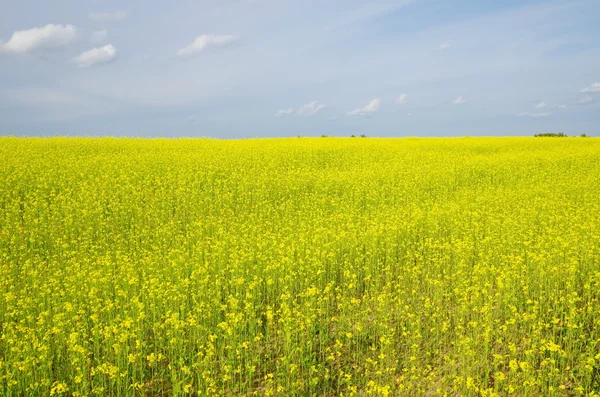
[583, 136]
[323, 136]
[352, 136]
[551, 135]
[363, 136]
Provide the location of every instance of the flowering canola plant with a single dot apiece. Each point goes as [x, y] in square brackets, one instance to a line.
[299, 267]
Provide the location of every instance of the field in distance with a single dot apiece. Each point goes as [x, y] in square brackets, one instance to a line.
[300, 267]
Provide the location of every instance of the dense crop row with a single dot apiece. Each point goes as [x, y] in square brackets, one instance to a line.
[302, 267]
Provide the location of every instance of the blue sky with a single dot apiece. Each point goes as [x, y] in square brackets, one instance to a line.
[257, 68]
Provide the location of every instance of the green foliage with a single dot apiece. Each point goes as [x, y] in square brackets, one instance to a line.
[551, 135]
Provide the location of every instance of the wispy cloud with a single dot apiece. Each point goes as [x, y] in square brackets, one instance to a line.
[284, 112]
[594, 87]
[310, 109]
[99, 36]
[368, 12]
[543, 105]
[41, 96]
[206, 41]
[109, 16]
[444, 46]
[543, 114]
[49, 37]
[585, 100]
[96, 56]
[367, 110]
[402, 99]
[459, 101]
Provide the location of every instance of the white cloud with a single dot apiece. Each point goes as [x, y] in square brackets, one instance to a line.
[284, 112]
[310, 109]
[99, 36]
[109, 16]
[49, 37]
[459, 101]
[445, 46]
[367, 110]
[206, 41]
[544, 114]
[594, 87]
[96, 56]
[541, 105]
[402, 99]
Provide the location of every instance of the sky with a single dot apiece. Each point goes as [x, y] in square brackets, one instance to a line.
[277, 68]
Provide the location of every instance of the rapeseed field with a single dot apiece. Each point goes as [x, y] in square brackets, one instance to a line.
[300, 267]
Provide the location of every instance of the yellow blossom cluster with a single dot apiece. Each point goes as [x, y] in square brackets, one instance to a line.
[299, 267]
